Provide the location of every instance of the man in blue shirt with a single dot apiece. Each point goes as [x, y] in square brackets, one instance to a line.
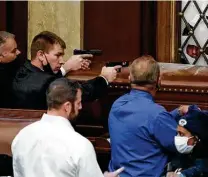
[142, 132]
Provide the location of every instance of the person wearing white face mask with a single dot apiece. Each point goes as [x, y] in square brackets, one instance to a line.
[191, 130]
[182, 144]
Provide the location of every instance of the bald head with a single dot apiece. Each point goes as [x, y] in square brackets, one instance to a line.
[4, 36]
[144, 71]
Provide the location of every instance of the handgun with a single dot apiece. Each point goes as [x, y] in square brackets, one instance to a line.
[95, 52]
[115, 63]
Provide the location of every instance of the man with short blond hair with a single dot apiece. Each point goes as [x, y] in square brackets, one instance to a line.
[46, 65]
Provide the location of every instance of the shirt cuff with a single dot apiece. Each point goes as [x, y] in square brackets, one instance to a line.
[63, 71]
[175, 113]
[105, 79]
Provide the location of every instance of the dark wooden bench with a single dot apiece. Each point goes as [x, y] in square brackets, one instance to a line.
[13, 120]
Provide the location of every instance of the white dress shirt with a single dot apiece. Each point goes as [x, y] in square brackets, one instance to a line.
[63, 72]
[51, 148]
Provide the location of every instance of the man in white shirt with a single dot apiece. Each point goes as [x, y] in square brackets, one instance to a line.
[50, 147]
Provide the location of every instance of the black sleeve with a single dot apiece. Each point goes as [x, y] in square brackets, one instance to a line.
[200, 150]
[30, 92]
[94, 89]
[59, 74]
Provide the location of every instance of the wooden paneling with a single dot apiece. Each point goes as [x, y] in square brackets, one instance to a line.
[3, 15]
[17, 21]
[113, 27]
[126, 30]
[13, 18]
[148, 27]
[181, 84]
[13, 120]
[167, 31]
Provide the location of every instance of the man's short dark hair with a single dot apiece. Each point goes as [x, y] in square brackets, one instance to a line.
[60, 91]
[44, 41]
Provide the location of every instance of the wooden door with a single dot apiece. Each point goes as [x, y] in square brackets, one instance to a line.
[123, 30]
[14, 19]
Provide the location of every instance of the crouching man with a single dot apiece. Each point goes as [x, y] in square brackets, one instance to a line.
[192, 129]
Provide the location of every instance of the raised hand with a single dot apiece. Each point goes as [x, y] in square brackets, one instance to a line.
[76, 62]
[115, 173]
[110, 73]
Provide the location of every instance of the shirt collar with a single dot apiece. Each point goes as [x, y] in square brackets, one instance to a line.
[56, 119]
[136, 92]
[31, 67]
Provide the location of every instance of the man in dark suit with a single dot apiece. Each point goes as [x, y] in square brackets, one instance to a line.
[8, 66]
[33, 79]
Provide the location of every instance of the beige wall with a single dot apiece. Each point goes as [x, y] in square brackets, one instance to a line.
[62, 18]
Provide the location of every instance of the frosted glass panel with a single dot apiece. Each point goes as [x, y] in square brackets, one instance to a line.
[194, 32]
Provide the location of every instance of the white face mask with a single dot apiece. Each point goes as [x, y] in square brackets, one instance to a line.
[181, 143]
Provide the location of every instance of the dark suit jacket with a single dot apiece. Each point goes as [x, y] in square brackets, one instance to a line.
[7, 73]
[6, 168]
[191, 167]
[30, 85]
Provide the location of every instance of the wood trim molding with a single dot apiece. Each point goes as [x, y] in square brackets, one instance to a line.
[3, 16]
[167, 31]
[81, 24]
